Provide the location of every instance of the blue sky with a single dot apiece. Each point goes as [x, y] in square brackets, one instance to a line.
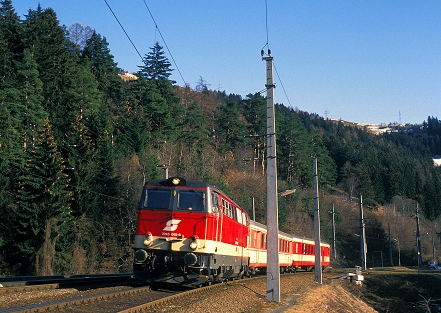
[367, 61]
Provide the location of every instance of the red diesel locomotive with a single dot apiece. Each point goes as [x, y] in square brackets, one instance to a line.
[190, 233]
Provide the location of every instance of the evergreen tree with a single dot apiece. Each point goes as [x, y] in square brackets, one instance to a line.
[80, 154]
[193, 141]
[432, 196]
[157, 70]
[31, 112]
[103, 67]
[254, 111]
[294, 152]
[57, 67]
[156, 65]
[42, 196]
[12, 157]
[326, 165]
[194, 130]
[230, 128]
[11, 30]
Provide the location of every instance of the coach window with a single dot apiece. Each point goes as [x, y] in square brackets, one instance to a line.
[263, 241]
[156, 199]
[229, 209]
[239, 216]
[244, 219]
[224, 207]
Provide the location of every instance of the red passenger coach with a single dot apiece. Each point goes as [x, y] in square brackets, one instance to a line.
[189, 233]
[295, 253]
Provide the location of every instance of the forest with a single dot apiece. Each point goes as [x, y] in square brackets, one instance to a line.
[79, 137]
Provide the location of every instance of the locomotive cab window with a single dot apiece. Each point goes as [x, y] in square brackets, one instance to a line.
[156, 199]
[191, 201]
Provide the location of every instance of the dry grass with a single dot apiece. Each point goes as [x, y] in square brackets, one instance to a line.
[397, 290]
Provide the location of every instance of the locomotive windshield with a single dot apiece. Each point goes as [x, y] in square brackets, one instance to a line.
[157, 199]
[191, 201]
[182, 200]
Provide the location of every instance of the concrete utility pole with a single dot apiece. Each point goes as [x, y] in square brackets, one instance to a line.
[418, 239]
[390, 246]
[317, 249]
[273, 270]
[363, 247]
[334, 252]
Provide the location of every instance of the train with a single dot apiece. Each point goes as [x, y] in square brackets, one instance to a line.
[192, 234]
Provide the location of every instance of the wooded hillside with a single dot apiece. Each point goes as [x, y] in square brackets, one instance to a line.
[77, 142]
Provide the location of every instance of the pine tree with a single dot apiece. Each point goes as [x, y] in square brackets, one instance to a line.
[194, 130]
[31, 112]
[105, 70]
[11, 29]
[42, 196]
[57, 67]
[80, 154]
[156, 65]
[157, 70]
[294, 151]
[12, 158]
[230, 128]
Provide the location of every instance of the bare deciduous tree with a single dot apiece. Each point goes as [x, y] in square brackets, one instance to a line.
[79, 34]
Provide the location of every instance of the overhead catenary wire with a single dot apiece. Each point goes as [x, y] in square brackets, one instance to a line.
[281, 84]
[123, 29]
[266, 25]
[269, 52]
[159, 31]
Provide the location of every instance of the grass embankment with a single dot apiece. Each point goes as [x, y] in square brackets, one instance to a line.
[399, 290]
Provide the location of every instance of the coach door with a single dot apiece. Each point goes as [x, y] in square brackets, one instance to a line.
[218, 212]
[243, 241]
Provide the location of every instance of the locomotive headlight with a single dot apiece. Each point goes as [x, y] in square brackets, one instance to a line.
[194, 244]
[141, 256]
[148, 239]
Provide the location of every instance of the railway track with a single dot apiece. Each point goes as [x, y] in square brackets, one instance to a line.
[248, 292]
[11, 281]
[29, 292]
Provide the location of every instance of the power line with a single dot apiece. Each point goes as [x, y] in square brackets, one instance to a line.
[281, 84]
[269, 51]
[123, 29]
[266, 21]
[151, 15]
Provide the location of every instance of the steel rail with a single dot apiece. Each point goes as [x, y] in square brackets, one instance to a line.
[66, 303]
[160, 303]
[15, 289]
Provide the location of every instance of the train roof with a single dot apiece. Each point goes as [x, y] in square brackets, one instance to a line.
[186, 182]
[262, 226]
[179, 181]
